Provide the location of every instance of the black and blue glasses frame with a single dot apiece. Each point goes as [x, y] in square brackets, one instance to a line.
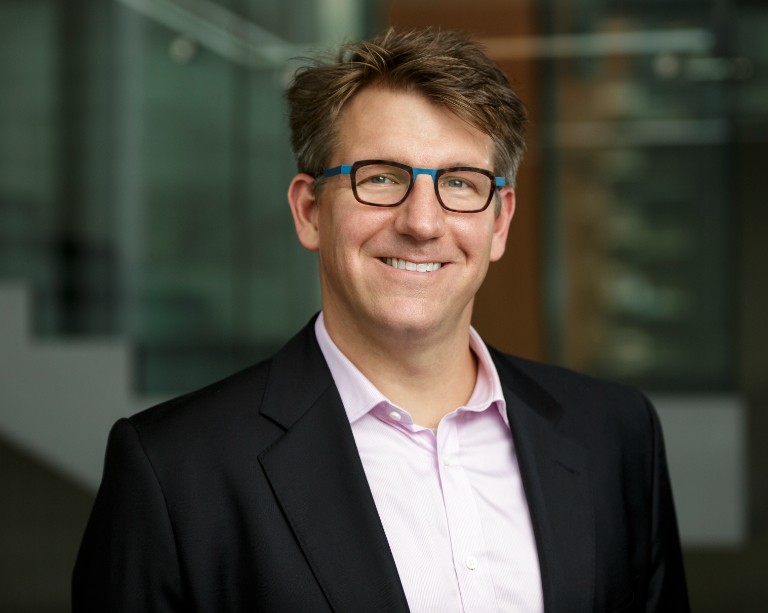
[413, 172]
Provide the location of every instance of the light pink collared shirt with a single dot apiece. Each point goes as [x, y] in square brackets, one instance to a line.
[452, 504]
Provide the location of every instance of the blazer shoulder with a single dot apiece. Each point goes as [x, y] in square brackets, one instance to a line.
[210, 420]
[559, 378]
[240, 407]
[576, 398]
[230, 393]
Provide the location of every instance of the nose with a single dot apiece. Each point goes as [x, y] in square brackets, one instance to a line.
[421, 215]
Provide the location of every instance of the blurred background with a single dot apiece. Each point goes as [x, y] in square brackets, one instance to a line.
[146, 247]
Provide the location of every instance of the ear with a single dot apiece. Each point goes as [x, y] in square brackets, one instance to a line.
[301, 198]
[501, 223]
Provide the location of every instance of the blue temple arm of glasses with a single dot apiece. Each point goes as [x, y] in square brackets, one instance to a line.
[344, 169]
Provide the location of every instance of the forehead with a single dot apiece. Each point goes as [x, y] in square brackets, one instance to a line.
[381, 123]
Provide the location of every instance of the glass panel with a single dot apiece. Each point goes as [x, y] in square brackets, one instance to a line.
[640, 142]
[143, 173]
[28, 142]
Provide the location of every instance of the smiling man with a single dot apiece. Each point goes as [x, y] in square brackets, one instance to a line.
[386, 459]
[399, 278]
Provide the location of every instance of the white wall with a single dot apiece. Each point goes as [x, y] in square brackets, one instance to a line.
[58, 398]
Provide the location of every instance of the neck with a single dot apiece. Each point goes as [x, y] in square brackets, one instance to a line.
[429, 376]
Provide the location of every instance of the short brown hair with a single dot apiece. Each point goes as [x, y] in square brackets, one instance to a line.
[446, 67]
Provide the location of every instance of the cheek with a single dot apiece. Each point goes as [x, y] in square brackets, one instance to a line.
[341, 236]
[475, 239]
[351, 228]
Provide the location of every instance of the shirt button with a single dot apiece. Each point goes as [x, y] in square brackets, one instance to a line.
[471, 563]
[395, 416]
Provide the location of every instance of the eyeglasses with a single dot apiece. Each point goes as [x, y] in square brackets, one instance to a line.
[461, 189]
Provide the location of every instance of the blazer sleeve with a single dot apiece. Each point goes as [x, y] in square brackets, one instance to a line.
[667, 589]
[128, 559]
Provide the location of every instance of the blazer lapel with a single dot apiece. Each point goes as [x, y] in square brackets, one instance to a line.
[555, 474]
[319, 481]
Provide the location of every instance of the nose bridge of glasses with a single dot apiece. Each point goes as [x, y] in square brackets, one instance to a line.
[432, 172]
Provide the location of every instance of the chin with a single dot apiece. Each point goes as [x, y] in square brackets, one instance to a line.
[412, 320]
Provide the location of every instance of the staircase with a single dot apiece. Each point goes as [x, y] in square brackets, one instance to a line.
[58, 398]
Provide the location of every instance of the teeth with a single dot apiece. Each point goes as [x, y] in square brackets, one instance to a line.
[406, 265]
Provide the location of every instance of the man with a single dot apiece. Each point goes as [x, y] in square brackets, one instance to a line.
[386, 459]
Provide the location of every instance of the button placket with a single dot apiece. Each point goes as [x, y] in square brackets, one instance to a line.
[467, 542]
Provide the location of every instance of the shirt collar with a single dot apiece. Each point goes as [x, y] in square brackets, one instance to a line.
[360, 396]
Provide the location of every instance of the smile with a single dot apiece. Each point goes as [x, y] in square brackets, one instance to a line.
[406, 265]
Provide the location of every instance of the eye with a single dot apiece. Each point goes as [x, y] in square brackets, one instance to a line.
[381, 175]
[455, 183]
[459, 182]
[379, 179]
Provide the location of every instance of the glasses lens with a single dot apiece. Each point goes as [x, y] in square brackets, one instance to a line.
[381, 184]
[464, 190]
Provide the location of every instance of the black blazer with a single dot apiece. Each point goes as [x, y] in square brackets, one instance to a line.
[249, 495]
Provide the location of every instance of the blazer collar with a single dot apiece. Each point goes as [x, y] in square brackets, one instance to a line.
[319, 481]
[556, 478]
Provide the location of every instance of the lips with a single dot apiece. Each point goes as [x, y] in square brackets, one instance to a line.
[412, 266]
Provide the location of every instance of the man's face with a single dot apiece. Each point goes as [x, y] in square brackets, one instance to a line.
[362, 291]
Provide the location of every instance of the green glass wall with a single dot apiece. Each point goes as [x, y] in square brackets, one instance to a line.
[144, 161]
[643, 138]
